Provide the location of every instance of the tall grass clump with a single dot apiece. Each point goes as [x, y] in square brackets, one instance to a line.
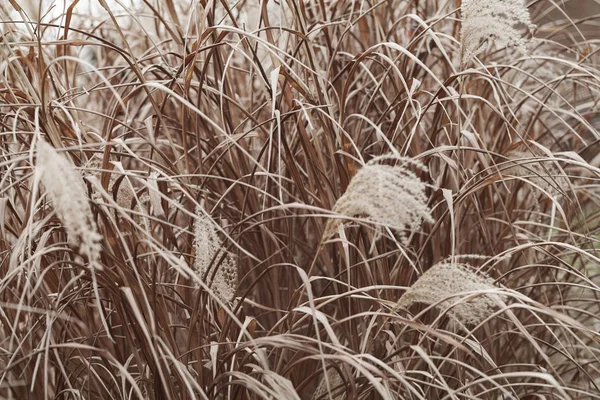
[299, 199]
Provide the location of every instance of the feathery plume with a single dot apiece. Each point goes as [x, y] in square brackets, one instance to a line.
[336, 385]
[492, 21]
[66, 190]
[443, 284]
[542, 173]
[209, 252]
[390, 195]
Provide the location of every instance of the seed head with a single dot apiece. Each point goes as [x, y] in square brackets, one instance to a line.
[66, 191]
[445, 285]
[487, 21]
[544, 174]
[387, 192]
[210, 255]
[336, 386]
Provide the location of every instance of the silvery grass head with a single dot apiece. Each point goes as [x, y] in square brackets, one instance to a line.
[450, 287]
[210, 254]
[331, 386]
[387, 192]
[543, 173]
[487, 21]
[64, 186]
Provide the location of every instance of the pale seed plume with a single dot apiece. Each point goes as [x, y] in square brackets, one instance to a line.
[387, 192]
[445, 285]
[544, 174]
[210, 255]
[66, 190]
[336, 386]
[492, 21]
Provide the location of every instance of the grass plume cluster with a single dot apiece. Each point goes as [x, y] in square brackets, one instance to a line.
[189, 191]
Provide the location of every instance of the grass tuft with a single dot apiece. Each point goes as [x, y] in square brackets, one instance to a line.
[189, 192]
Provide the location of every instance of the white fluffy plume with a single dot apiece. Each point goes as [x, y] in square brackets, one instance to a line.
[336, 388]
[211, 255]
[66, 190]
[446, 285]
[540, 170]
[487, 21]
[387, 192]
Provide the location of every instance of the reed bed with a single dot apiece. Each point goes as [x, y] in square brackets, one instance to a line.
[299, 199]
